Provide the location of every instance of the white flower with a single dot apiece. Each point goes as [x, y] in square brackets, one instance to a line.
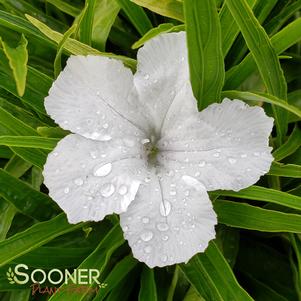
[141, 149]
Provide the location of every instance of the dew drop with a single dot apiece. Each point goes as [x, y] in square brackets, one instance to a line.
[146, 76]
[122, 190]
[102, 170]
[55, 154]
[256, 154]
[145, 141]
[232, 160]
[172, 192]
[105, 125]
[93, 154]
[145, 220]
[197, 174]
[243, 155]
[147, 179]
[165, 237]
[147, 236]
[202, 163]
[162, 227]
[67, 190]
[107, 190]
[165, 208]
[79, 181]
[216, 155]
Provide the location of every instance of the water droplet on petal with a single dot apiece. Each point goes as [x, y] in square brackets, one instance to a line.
[145, 141]
[107, 190]
[105, 125]
[256, 154]
[147, 236]
[122, 190]
[216, 155]
[102, 170]
[147, 179]
[202, 163]
[243, 155]
[162, 227]
[55, 154]
[165, 237]
[93, 154]
[105, 138]
[79, 181]
[172, 192]
[67, 190]
[165, 208]
[146, 76]
[145, 220]
[232, 160]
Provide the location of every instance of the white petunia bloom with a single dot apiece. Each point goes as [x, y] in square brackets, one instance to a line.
[141, 149]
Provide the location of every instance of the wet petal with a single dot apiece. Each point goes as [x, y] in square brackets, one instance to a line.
[170, 220]
[90, 179]
[162, 72]
[95, 97]
[225, 146]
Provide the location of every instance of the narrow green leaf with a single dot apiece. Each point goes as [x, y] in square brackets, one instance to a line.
[34, 237]
[105, 14]
[97, 260]
[292, 144]
[284, 39]
[136, 15]
[164, 27]
[168, 8]
[212, 277]
[261, 97]
[27, 141]
[17, 167]
[7, 213]
[116, 276]
[259, 193]
[265, 57]
[76, 47]
[148, 289]
[65, 7]
[285, 170]
[230, 30]
[240, 215]
[26, 199]
[86, 22]
[18, 58]
[204, 51]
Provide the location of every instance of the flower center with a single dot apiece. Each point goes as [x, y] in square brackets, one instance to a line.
[151, 150]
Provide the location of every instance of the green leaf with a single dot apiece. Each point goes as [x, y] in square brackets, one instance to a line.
[285, 170]
[105, 14]
[76, 47]
[168, 8]
[259, 193]
[204, 51]
[26, 199]
[117, 275]
[164, 27]
[148, 289]
[18, 58]
[27, 141]
[261, 97]
[229, 28]
[86, 22]
[7, 213]
[292, 144]
[34, 237]
[65, 7]
[245, 216]
[284, 39]
[264, 55]
[212, 277]
[97, 260]
[136, 15]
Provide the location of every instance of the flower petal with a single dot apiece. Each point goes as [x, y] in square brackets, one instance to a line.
[170, 220]
[162, 72]
[95, 97]
[90, 179]
[225, 146]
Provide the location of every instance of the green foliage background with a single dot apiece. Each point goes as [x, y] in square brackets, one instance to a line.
[246, 49]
